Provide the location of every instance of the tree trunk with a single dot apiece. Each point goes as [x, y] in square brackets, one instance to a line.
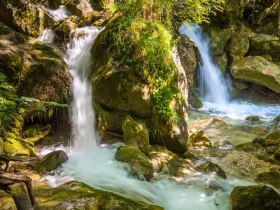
[20, 196]
[278, 22]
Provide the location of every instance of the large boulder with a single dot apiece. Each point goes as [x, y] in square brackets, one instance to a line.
[257, 70]
[35, 69]
[255, 197]
[271, 177]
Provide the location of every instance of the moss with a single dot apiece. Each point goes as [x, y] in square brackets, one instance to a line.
[200, 139]
[13, 147]
[139, 163]
[36, 132]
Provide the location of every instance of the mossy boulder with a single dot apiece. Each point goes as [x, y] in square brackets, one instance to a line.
[255, 197]
[139, 164]
[276, 123]
[219, 40]
[36, 132]
[23, 16]
[13, 147]
[262, 44]
[257, 70]
[135, 133]
[252, 119]
[211, 168]
[194, 100]
[51, 161]
[35, 69]
[272, 177]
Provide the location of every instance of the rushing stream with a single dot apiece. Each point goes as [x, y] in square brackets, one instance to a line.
[95, 164]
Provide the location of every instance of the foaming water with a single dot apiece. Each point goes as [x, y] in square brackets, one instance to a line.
[94, 164]
[59, 14]
[212, 85]
[214, 88]
[84, 134]
[47, 36]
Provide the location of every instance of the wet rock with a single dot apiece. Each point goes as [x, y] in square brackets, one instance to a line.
[138, 162]
[253, 119]
[276, 123]
[272, 139]
[209, 167]
[272, 177]
[51, 161]
[257, 70]
[200, 139]
[36, 132]
[277, 154]
[77, 195]
[135, 133]
[255, 197]
[194, 100]
[219, 40]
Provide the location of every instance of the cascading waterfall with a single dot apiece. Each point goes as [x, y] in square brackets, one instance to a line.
[94, 164]
[78, 59]
[58, 14]
[214, 88]
[212, 85]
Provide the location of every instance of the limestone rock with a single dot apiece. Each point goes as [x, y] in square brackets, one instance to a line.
[51, 161]
[200, 139]
[138, 162]
[257, 70]
[255, 197]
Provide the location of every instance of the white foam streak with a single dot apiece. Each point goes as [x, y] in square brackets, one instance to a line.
[59, 14]
[47, 36]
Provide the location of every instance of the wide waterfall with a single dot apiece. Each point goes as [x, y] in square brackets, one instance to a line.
[94, 163]
[213, 87]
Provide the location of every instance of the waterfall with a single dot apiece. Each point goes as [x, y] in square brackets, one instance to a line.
[59, 14]
[212, 86]
[47, 36]
[84, 134]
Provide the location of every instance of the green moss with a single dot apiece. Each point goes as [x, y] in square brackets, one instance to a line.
[13, 147]
[36, 132]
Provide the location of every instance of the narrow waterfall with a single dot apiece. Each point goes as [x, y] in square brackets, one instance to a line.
[212, 86]
[58, 14]
[84, 134]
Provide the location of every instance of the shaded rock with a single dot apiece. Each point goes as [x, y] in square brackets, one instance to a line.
[222, 62]
[187, 54]
[200, 139]
[37, 70]
[272, 177]
[277, 154]
[255, 197]
[219, 40]
[253, 119]
[194, 100]
[209, 167]
[257, 70]
[23, 16]
[272, 139]
[135, 133]
[36, 132]
[77, 195]
[138, 162]
[51, 161]
[276, 123]
[262, 44]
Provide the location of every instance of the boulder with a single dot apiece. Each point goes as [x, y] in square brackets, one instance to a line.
[194, 100]
[255, 197]
[35, 69]
[211, 168]
[219, 40]
[23, 16]
[51, 162]
[262, 44]
[135, 133]
[253, 119]
[276, 123]
[257, 70]
[138, 162]
[200, 139]
[271, 177]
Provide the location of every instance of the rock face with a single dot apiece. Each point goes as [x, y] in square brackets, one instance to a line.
[139, 163]
[255, 197]
[258, 70]
[51, 161]
[37, 70]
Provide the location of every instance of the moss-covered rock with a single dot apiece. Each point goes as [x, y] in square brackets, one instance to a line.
[210, 168]
[276, 123]
[135, 133]
[194, 100]
[255, 197]
[13, 147]
[200, 139]
[23, 16]
[34, 68]
[262, 44]
[272, 177]
[36, 132]
[257, 70]
[252, 119]
[51, 161]
[139, 164]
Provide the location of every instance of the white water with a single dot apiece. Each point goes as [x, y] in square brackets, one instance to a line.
[59, 14]
[214, 88]
[47, 36]
[95, 164]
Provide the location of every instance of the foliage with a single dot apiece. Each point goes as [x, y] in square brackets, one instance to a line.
[13, 106]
